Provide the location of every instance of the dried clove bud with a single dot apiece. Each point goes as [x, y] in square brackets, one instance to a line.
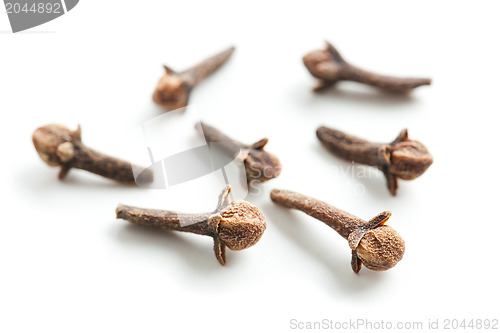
[402, 158]
[260, 165]
[237, 225]
[173, 89]
[374, 244]
[329, 67]
[57, 145]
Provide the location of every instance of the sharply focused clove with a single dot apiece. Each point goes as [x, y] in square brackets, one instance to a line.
[57, 145]
[402, 158]
[173, 89]
[237, 225]
[260, 165]
[330, 67]
[373, 244]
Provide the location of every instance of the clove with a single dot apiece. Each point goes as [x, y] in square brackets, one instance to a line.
[57, 145]
[174, 88]
[402, 158]
[237, 225]
[260, 166]
[330, 67]
[373, 244]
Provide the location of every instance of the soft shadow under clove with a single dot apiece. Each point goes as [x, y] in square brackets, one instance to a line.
[197, 255]
[43, 180]
[373, 180]
[355, 93]
[293, 226]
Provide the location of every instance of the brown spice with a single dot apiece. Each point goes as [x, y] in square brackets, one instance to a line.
[402, 158]
[59, 146]
[375, 245]
[260, 165]
[173, 89]
[237, 225]
[330, 67]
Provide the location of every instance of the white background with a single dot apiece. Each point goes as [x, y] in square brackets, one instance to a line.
[67, 265]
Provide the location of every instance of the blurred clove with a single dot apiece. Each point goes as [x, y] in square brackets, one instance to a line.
[330, 67]
[173, 89]
[57, 145]
[260, 165]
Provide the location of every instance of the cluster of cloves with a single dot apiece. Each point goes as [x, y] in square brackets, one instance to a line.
[239, 224]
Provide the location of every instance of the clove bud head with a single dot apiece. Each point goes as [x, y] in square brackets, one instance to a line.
[381, 248]
[261, 166]
[53, 144]
[171, 91]
[322, 65]
[241, 226]
[409, 159]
